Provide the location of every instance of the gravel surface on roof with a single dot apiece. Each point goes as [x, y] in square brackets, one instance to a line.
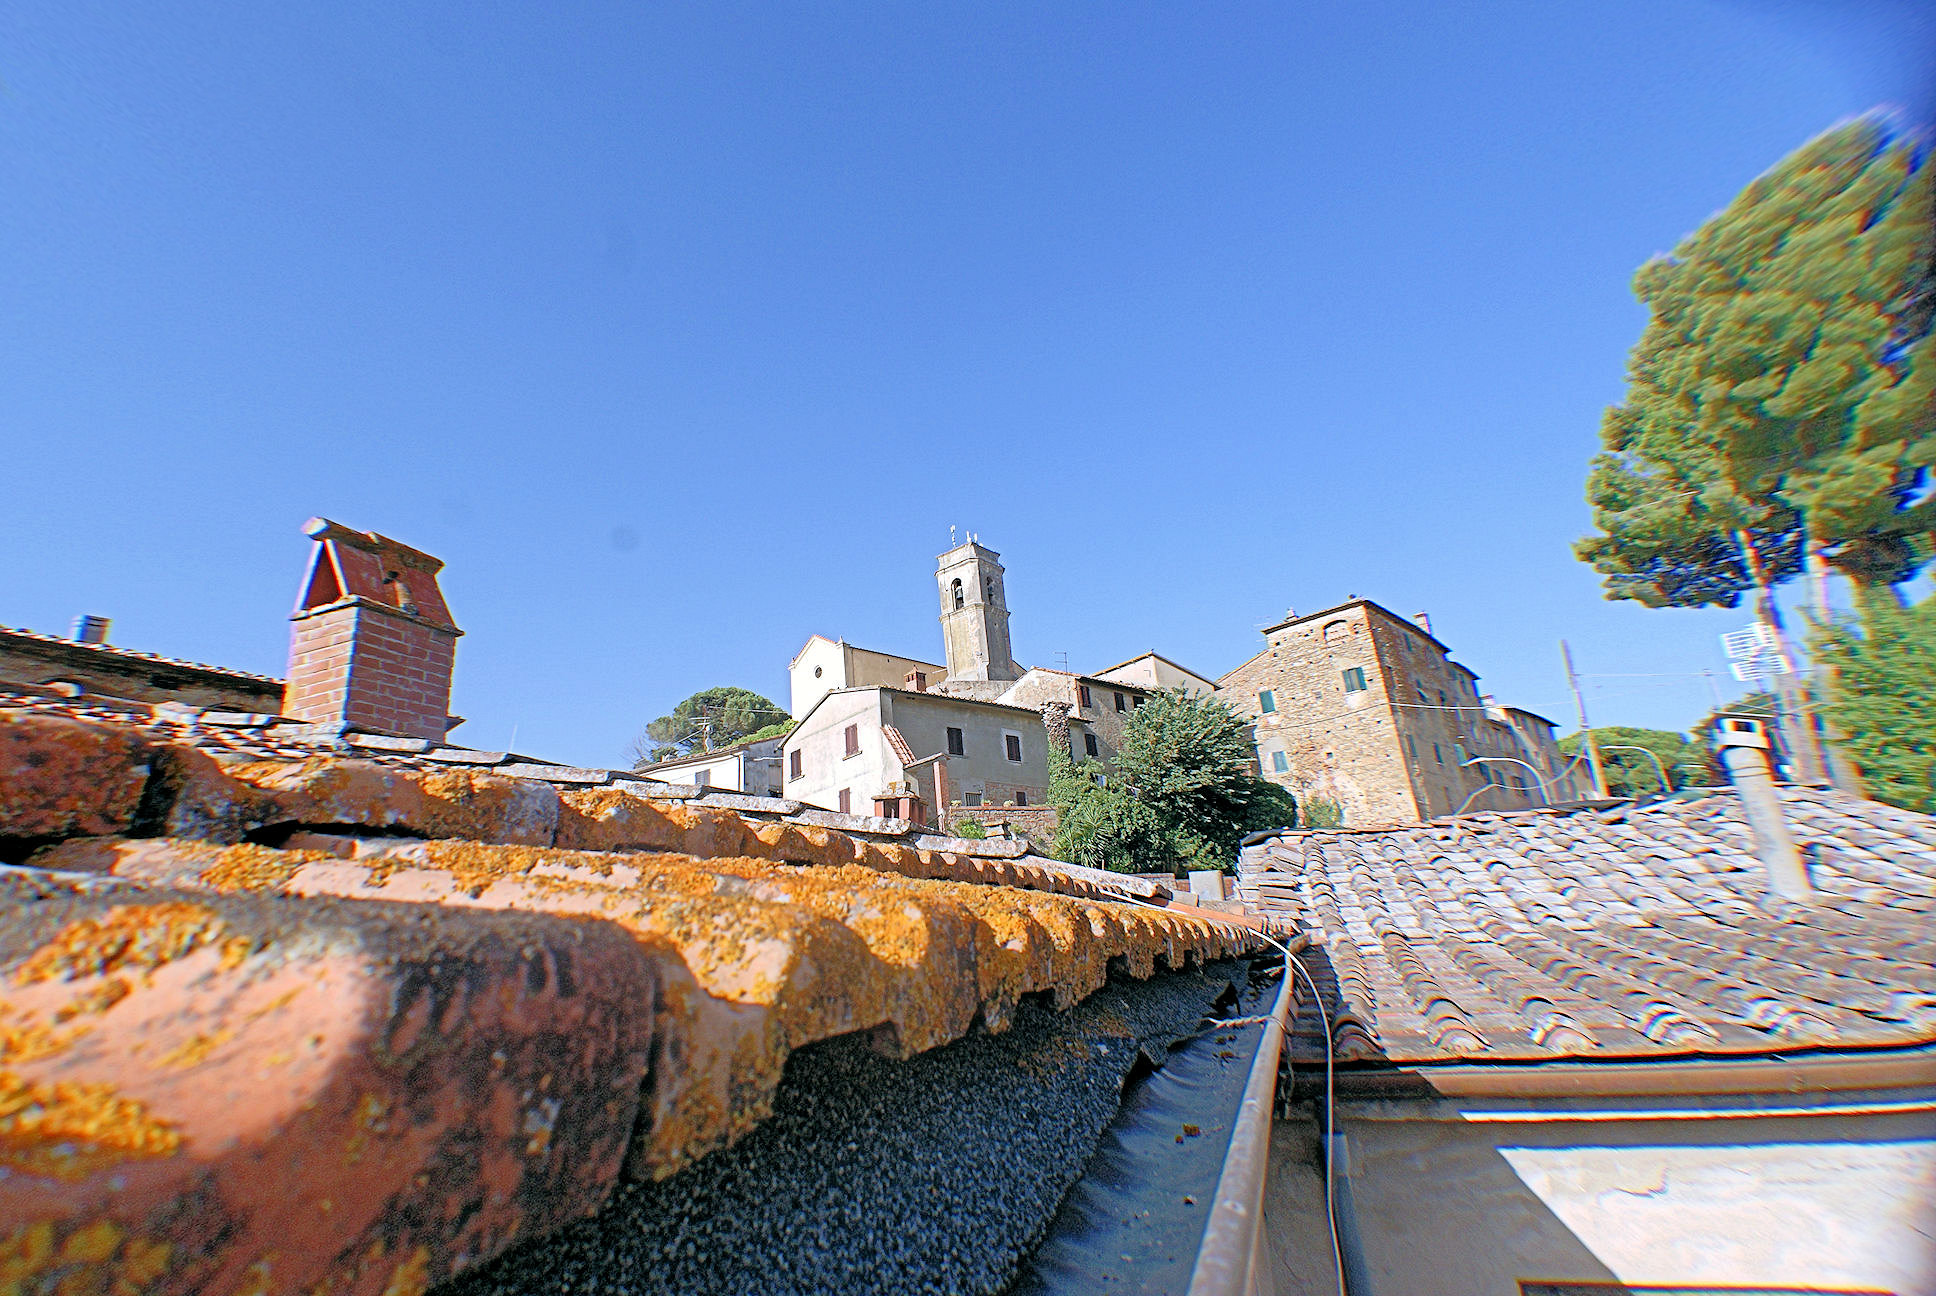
[933, 1175]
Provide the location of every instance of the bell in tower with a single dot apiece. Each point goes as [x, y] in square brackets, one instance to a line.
[974, 614]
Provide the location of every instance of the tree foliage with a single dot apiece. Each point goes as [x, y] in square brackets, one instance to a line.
[1781, 394]
[709, 719]
[1181, 793]
[1882, 696]
[1686, 761]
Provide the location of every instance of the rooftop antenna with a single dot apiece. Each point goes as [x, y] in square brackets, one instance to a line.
[952, 542]
[1063, 657]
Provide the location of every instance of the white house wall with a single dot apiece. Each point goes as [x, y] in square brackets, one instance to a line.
[1831, 1203]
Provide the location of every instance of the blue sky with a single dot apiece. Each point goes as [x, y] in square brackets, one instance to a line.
[684, 332]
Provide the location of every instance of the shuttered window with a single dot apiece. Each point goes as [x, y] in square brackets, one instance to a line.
[1014, 744]
[1267, 701]
[793, 764]
[853, 739]
[1354, 680]
[846, 801]
[1089, 745]
[955, 746]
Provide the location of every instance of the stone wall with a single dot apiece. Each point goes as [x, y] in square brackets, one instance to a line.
[1037, 823]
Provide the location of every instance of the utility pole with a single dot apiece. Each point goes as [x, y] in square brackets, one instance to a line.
[1586, 730]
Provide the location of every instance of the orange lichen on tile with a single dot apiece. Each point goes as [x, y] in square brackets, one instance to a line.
[290, 1082]
[70, 1131]
[760, 957]
[464, 803]
[136, 938]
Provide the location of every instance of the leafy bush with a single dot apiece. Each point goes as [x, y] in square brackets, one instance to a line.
[1882, 696]
[1180, 793]
[969, 829]
[1322, 812]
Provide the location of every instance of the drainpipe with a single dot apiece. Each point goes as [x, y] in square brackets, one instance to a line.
[1744, 754]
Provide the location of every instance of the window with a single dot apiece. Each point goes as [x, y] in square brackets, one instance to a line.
[957, 593]
[1139, 700]
[1082, 697]
[1021, 798]
[793, 764]
[816, 672]
[1354, 680]
[1438, 755]
[703, 778]
[1334, 631]
[846, 800]
[1013, 743]
[1442, 701]
[852, 736]
[1120, 704]
[988, 589]
[1267, 701]
[971, 798]
[955, 745]
[1090, 746]
[1411, 747]
[1280, 763]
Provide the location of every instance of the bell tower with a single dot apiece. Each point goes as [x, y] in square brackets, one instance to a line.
[974, 614]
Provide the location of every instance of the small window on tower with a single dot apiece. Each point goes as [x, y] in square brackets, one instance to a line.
[958, 599]
[1354, 680]
[955, 746]
[988, 589]
[1089, 745]
[1267, 701]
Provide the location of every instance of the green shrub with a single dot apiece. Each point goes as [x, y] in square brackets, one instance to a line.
[1882, 696]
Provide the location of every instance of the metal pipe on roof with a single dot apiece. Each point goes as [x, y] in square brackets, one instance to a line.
[1230, 1257]
[1744, 755]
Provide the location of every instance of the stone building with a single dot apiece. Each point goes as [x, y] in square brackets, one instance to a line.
[1358, 706]
[750, 765]
[972, 732]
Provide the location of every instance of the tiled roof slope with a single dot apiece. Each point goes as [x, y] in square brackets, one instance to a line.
[116, 652]
[1638, 932]
[280, 1012]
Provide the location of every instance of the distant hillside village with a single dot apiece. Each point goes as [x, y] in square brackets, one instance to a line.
[1353, 707]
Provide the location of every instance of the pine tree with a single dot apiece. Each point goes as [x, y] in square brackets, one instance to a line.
[1781, 395]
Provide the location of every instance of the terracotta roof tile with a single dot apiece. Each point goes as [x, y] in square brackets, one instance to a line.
[682, 949]
[1640, 932]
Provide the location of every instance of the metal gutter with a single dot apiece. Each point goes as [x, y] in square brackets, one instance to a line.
[1230, 1260]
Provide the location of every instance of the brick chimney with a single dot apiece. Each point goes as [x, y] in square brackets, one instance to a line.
[372, 644]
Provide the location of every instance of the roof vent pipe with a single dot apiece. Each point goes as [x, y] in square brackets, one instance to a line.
[91, 629]
[1743, 744]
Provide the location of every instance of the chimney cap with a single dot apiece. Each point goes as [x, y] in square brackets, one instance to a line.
[1740, 731]
[324, 530]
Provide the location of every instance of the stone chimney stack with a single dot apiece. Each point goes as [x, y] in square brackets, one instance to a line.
[373, 644]
[1423, 620]
[91, 629]
[1744, 754]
